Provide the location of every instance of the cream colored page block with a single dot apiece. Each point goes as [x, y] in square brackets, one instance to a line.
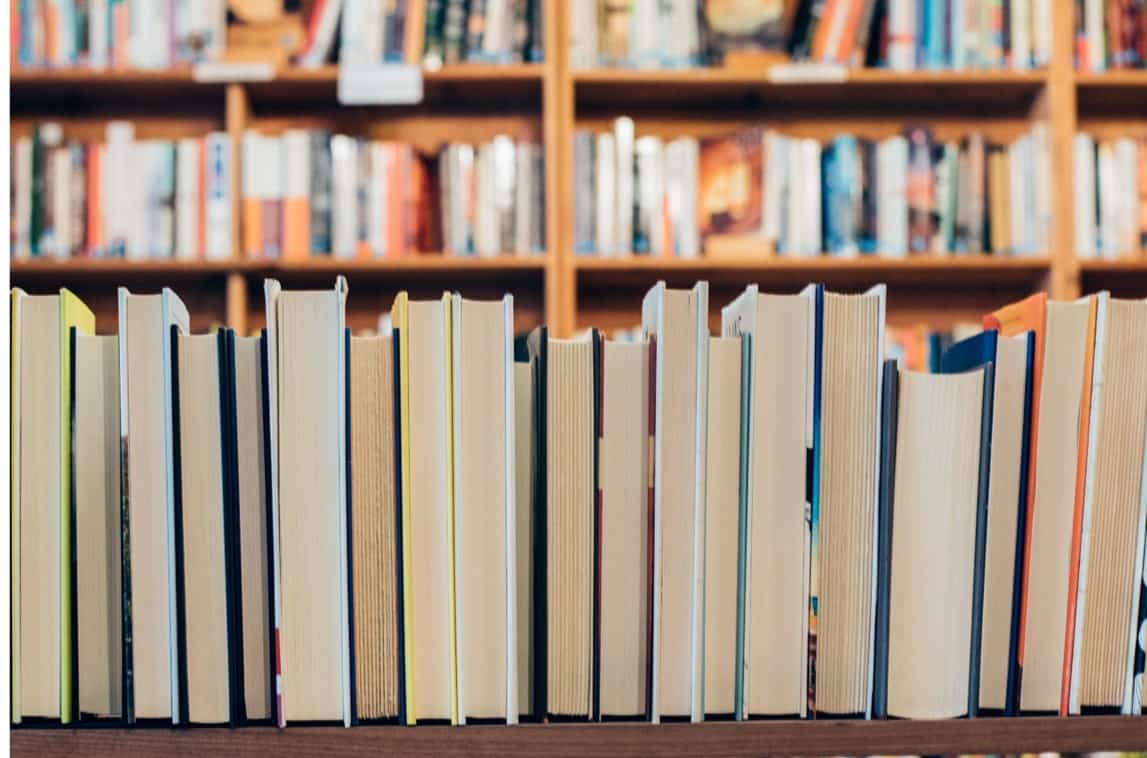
[40, 506]
[1064, 350]
[777, 603]
[205, 589]
[624, 534]
[933, 543]
[480, 503]
[308, 506]
[252, 527]
[98, 589]
[722, 504]
[1110, 580]
[147, 505]
[428, 502]
[677, 352]
[1003, 506]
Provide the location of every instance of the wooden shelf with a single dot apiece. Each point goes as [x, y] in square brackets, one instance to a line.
[848, 272]
[1018, 735]
[1120, 90]
[1124, 266]
[869, 89]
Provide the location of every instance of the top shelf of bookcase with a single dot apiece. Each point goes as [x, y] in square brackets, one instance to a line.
[467, 84]
[792, 85]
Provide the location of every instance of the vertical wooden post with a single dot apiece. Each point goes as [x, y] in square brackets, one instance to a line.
[1058, 109]
[238, 112]
[557, 115]
[237, 301]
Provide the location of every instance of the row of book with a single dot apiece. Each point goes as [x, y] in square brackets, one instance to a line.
[117, 33]
[435, 32]
[309, 192]
[902, 35]
[1110, 34]
[443, 524]
[161, 35]
[72, 197]
[756, 191]
[1110, 196]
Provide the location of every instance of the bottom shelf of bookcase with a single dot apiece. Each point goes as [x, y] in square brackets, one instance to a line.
[985, 735]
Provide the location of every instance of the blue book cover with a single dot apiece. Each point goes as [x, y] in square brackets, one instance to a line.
[962, 356]
[812, 489]
[934, 37]
[841, 207]
[890, 403]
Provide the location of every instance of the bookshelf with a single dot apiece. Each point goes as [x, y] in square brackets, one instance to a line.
[726, 738]
[551, 100]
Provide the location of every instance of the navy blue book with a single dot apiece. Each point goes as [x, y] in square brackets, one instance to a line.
[1000, 571]
[889, 403]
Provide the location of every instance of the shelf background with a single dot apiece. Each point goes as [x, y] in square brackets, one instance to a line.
[549, 101]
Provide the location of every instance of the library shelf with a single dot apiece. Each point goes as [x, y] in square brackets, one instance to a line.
[985, 735]
[63, 271]
[450, 271]
[924, 271]
[1118, 89]
[1121, 266]
[860, 87]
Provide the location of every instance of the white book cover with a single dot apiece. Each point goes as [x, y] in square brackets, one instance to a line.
[794, 244]
[324, 37]
[218, 243]
[187, 179]
[1021, 34]
[99, 34]
[902, 35]
[1095, 36]
[956, 27]
[623, 130]
[775, 151]
[344, 188]
[645, 43]
[810, 203]
[1041, 31]
[605, 195]
[1127, 181]
[1040, 172]
[61, 168]
[679, 24]
[1084, 194]
[523, 196]
[1109, 203]
[22, 200]
[377, 199]
[583, 35]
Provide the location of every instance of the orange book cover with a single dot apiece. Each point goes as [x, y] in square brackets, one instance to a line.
[296, 227]
[820, 34]
[95, 215]
[848, 37]
[1027, 315]
[121, 27]
[395, 198]
[1077, 515]
[51, 31]
[252, 227]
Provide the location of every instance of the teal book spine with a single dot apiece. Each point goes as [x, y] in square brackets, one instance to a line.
[743, 526]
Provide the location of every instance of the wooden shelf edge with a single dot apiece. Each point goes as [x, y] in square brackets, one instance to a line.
[754, 76]
[425, 264]
[821, 263]
[985, 735]
[1112, 78]
[1124, 266]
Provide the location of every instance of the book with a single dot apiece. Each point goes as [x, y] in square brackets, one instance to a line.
[938, 503]
[374, 541]
[624, 543]
[564, 525]
[1011, 359]
[730, 180]
[753, 27]
[96, 497]
[307, 422]
[848, 352]
[148, 327]
[722, 527]
[1113, 519]
[43, 593]
[676, 323]
[485, 549]
[525, 466]
[779, 330]
[423, 331]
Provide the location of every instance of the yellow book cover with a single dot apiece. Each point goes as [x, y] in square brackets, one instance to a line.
[399, 318]
[73, 313]
[14, 494]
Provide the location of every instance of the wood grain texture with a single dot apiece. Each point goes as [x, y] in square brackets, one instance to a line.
[722, 738]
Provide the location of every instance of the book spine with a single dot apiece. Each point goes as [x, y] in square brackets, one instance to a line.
[249, 191]
[476, 30]
[296, 235]
[605, 195]
[869, 197]
[218, 168]
[920, 191]
[536, 46]
[320, 193]
[394, 47]
[433, 51]
[902, 35]
[187, 178]
[454, 31]
[624, 138]
[583, 199]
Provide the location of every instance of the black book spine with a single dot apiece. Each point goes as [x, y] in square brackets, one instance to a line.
[398, 553]
[538, 358]
[886, 493]
[537, 45]
[229, 445]
[1012, 697]
[73, 614]
[598, 429]
[981, 540]
[177, 529]
[265, 369]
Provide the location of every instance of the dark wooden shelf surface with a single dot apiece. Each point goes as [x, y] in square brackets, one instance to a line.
[988, 735]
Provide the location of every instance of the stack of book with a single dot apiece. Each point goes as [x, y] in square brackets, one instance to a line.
[1110, 196]
[756, 191]
[309, 526]
[308, 192]
[1110, 35]
[72, 198]
[903, 35]
[434, 32]
[116, 33]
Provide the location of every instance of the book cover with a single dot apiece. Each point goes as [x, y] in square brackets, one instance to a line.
[889, 408]
[921, 191]
[745, 27]
[729, 190]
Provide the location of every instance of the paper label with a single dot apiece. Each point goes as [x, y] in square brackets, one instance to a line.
[795, 73]
[380, 84]
[233, 72]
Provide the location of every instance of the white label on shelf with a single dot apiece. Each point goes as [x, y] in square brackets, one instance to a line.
[380, 84]
[796, 73]
[232, 72]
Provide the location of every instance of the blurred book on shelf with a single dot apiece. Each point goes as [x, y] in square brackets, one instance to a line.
[755, 192]
[101, 34]
[1110, 35]
[902, 35]
[1110, 196]
[308, 192]
[72, 198]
